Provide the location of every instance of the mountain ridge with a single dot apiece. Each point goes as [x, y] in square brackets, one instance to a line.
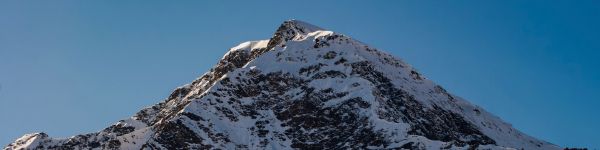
[306, 87]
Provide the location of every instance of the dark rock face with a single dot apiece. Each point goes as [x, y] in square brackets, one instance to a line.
[435, 124]
[175, 135]
[119, 129]
[334, 124]
[287, 31]
[305, 112]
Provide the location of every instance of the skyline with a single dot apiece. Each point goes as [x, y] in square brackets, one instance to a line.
[78, 67]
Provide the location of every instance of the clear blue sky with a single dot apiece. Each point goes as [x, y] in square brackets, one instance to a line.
[71, 67]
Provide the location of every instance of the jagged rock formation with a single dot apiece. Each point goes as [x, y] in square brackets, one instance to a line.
[305, 88]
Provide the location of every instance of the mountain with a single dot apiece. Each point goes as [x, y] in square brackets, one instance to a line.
[306, 88]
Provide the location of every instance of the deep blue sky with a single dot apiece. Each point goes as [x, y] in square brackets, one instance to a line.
[71, 67]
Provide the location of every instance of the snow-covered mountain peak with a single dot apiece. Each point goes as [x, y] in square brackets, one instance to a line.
[289, 30]
[300, 27]
[304, 88]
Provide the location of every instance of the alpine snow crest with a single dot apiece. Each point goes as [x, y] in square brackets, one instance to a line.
[304, 88]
